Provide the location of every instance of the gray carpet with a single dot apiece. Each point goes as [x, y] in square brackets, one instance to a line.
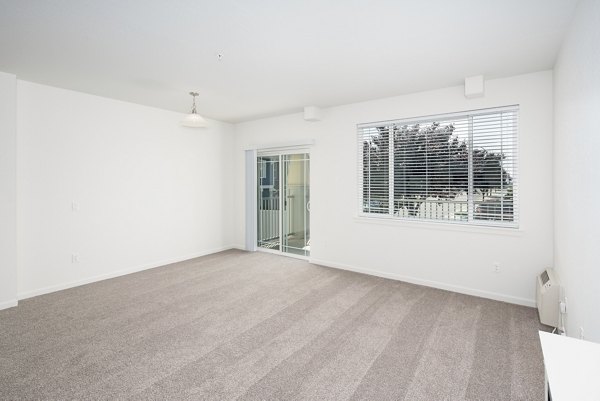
[256, 326]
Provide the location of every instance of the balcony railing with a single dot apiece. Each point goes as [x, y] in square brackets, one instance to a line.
[268, 219]
[492, 208]
[433, 209]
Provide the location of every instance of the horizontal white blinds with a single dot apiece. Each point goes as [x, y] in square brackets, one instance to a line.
[459, 167]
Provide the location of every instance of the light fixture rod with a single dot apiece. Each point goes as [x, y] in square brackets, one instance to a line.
[194, 94]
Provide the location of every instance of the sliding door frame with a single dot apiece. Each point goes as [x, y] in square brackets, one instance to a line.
[280, 152]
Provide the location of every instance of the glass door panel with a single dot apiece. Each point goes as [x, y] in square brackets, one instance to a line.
[296, 204]
[268, 202]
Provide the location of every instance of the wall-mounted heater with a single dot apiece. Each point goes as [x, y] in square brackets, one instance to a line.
[547, 297]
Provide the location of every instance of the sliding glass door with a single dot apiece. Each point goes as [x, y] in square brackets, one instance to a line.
[283, 204]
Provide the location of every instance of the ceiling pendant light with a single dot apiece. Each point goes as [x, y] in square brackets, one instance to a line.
[194, 120]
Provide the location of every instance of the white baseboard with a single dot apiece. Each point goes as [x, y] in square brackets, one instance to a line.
[393, 276]
[122, 272]
[8, 304]
[428, 283]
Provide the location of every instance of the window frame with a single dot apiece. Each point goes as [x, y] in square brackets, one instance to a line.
[390, 217]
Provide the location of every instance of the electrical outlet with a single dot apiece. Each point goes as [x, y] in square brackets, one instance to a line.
[581, 333]
[496, 267]
[75, 206]
[74, 258]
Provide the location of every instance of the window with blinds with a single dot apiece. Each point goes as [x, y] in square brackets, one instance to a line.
[459, 168]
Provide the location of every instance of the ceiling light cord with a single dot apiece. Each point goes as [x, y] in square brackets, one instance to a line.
[194, 94]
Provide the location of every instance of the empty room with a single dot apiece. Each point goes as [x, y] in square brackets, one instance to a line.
[299, 200]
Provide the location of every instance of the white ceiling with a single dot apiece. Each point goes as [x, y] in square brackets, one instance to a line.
[278, 55]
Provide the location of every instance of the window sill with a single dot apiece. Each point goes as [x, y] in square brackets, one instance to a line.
[441, 226]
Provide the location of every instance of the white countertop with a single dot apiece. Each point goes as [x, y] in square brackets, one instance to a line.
[572, 367]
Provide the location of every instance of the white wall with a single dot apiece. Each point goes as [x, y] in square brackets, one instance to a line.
[452, 257]
[149, 191]
[8, 190]
[577, 171]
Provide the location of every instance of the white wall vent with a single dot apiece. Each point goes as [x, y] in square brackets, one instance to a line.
[313, 113]
[547, 297]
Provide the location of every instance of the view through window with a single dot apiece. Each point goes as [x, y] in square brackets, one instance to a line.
[458, 167]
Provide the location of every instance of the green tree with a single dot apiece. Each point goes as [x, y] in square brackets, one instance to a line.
[376, 171]
[430, 161]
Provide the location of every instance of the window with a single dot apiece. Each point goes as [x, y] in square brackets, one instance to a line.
[459, 168]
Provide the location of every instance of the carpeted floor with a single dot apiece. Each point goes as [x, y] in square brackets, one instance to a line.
[257, 326]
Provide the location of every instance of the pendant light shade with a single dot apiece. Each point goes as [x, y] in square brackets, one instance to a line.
[194, 120]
